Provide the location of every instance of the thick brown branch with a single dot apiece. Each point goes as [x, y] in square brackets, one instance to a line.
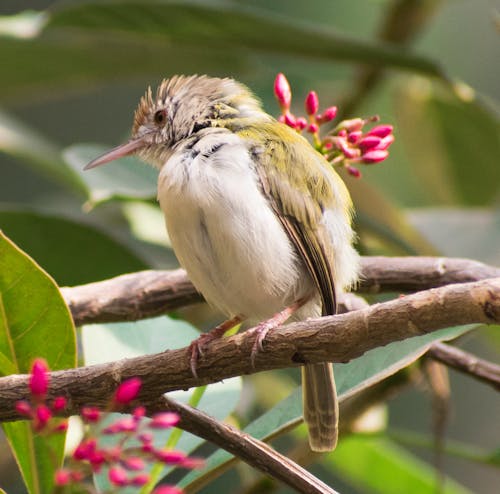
[251, 450]
[337, 338]
[149, 293]
[467, 363]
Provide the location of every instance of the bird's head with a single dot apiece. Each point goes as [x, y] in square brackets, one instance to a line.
[182, 107]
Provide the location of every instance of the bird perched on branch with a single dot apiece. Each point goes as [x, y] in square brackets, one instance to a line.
[258, 218]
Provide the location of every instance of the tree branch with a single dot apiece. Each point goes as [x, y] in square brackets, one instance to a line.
[467, 363]
[252, 451]
[150, 293]
[337, 338]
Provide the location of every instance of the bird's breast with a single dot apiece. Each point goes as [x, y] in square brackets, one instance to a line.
[224, 231]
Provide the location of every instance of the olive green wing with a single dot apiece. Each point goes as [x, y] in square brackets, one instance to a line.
[298, 183]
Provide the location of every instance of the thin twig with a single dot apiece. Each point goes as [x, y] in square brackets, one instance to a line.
[467, 363]
[337, 338]
[149, 293]
[252, 451]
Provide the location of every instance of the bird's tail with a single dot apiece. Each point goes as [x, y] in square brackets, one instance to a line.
[321, 409]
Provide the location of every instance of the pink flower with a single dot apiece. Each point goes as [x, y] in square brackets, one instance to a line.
[62, 477]
[381, 131]
[139, 480]
[312, 128]
[301, 123]
[23, 408]
[328, 115]
[167, 489]
[42, 416]
[353, 171]
[133, 463]
[118, 476]
[374, 156]
[164, 420]
[39, 379]
[126, 424]
[170, 457]
[290, 120]
[85, 449]
[312, 103]
[91, 414]
[282, 91]
[127, 391]
[59, 403]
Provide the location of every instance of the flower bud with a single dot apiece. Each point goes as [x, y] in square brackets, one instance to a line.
[374, 156]
[282, 91]
[312, 103]
[328, 115]
[59, 403]
[39, 379]
[386, 142]
[42, 416]
[139, 480]
[312, 128]
[369, 142]
[91, 414]
[62, 477]
[23, 408]
[164, 420]
[167, 489]
[117, 476]
[381, 131]
[301, 123]
[351, 170]
[134, 463]
[353, 137]
[290, 120]
[127, 391]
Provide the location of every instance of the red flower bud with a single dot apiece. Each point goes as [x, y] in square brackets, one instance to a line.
[126, 424]
[62, 427]
[374, 156]
[42, 416]
[381, 131]
[39, 379]
[127, 391]
[164, 420]
[369, 142]
[301, 123]
[386, 142]
[23, 408]
[312, 128]
[140, 480]
[62, 477]
[91, 414]
[85, 449]
[353, 137]
[139, 412]
[170, 457]
[282, 91]
[312, 103]
[353, 171]
[290, 120]
[167, 489]
[118, 476]
[134, 463]
[328, 115]
[59, 403]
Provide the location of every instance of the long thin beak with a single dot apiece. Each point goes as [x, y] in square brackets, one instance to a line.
[117, 152]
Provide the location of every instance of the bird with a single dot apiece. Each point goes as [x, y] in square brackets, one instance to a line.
[256, 216]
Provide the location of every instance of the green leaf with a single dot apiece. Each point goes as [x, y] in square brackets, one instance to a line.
[34, 322]
[86, 42]
[72, 252]
[127, 178]
[350, 378]
[34, 149]
[378, 465]
[453, 145]
[108, 342]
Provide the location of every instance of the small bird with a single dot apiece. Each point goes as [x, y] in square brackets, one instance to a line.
[257, 217]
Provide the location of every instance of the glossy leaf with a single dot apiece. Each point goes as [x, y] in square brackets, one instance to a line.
[34, 322]
[379, 466]
[71, 251]
[352, 377]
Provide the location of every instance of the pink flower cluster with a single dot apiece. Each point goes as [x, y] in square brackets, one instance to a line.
[126, 465]
[346, 144]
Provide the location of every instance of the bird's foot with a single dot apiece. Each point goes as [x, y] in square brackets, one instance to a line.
[197, 346]
[264, 327]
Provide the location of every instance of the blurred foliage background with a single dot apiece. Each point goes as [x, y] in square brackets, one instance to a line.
[72, 73]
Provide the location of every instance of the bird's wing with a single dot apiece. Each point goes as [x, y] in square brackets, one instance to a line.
[298, 183]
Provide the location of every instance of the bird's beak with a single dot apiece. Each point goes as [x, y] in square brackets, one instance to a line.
[120, 151]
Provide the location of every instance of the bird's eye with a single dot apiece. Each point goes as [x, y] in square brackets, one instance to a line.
[160, 117]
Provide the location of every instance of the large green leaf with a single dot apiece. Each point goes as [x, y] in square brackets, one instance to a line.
[34, 322]
[379, 466]
[88, 41]
[358, 374]
[453, 145]
[72, 252]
